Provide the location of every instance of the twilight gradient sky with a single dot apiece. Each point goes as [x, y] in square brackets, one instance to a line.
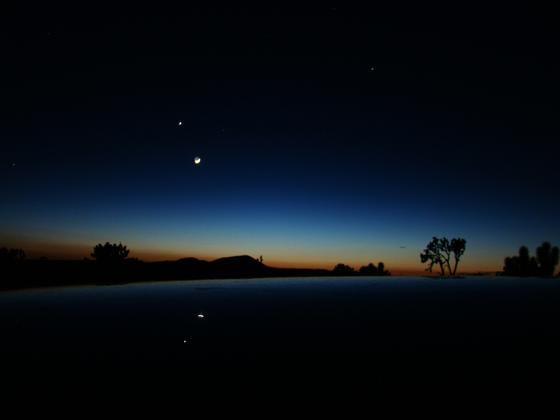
[310, 158]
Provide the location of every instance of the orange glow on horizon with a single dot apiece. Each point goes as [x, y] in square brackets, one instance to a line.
[397, 266]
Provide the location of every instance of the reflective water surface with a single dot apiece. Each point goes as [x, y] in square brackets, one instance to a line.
[332, 323]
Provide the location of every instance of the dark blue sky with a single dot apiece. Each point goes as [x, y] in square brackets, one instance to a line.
[309, 156]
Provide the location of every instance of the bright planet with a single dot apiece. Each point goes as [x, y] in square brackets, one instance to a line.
[197, 160]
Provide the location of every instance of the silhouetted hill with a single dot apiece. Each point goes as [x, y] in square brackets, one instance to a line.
[182, 264]
[45, 273]
[191, 261]
[239, 266]
[237, 261]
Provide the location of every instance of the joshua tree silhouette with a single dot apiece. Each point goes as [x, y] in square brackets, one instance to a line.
[432, 255]
[457, 247]
[439, 252]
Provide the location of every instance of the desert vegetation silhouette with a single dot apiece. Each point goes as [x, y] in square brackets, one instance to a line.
[111, 260]
[443, 253]
[366, 270]
[110, 253]
[343, 270]
[523, 265]
[11, 255]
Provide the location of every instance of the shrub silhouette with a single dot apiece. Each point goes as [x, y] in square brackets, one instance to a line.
[547, 257]
[523, 265]
[343, 270]
[372, 270]
[527, 265]
[110, 253]
[381, 270]
[9, 255]
[368, 270]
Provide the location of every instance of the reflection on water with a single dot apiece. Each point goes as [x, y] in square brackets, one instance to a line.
[342, 319]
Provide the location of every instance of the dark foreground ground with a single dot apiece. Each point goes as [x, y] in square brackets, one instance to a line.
[382, 333]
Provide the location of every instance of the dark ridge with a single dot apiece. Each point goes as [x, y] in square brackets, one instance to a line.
[25, 273]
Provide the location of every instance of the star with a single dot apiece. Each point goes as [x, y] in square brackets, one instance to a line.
[372, 68]
[180, 123]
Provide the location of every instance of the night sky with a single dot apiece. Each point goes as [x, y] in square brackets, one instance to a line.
[327, 135]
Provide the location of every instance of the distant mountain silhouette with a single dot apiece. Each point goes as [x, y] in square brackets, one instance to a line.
[44, 273]
[111, 265]
[242, 263]
[191, 261]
